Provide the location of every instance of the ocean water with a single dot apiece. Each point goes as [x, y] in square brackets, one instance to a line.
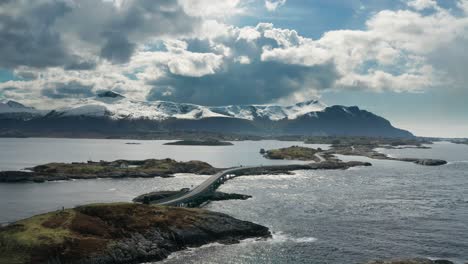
[392, 209]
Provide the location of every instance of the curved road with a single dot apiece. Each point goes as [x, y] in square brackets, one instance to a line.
[212, 183]
[201, 189]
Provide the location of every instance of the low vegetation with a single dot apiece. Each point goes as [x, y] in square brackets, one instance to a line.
[99, 233]
[105, 169]
[292, 153]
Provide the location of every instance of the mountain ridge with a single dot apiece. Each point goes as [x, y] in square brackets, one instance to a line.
[110, 112]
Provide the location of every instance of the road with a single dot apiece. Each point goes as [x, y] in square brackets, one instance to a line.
[201, 189]
[321, 159]
[214, 181]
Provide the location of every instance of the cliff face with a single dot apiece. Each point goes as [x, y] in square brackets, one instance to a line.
[118, 233]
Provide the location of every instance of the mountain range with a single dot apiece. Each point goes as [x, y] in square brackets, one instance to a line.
[110, 113]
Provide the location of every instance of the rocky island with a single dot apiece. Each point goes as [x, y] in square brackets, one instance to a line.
[118, 233]
[199, 143]
[365, 148]
[292, 153]
[104, 169]
[155, 197]
[149, 168]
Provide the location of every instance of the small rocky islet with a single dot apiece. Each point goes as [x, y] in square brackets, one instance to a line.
[118, 233]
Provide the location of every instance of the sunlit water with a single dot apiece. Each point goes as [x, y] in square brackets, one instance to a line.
[392, 209]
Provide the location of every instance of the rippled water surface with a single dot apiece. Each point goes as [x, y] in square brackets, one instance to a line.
[392, 209]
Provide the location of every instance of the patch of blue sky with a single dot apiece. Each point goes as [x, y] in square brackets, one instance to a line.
[133, 75]
[7, 75]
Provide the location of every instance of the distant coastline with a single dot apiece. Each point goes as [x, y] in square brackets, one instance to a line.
[199, 143]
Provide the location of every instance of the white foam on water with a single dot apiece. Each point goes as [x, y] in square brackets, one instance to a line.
[280, 237]
[457, 162]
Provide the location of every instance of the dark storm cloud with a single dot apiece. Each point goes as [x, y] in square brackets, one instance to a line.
[81, 65]
[117, 49]
[236, 83]
[71, 89]
[27, 40]
[49, 33]
[260, 82]
[26, 75]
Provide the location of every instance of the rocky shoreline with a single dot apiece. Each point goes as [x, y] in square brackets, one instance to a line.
[118, 233]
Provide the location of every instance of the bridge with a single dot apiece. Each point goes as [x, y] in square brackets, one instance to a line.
[185, 199]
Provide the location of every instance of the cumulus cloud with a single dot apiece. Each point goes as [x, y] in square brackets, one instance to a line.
[183, 51]
[51, 33]
[210, 8]
[272, 5]
[73, 89]
[422, 4]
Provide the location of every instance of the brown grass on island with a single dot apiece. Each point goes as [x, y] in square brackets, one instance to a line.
[95, 231]
[293, 153]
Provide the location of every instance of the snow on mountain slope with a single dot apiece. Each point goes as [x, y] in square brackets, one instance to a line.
[116, 106]
[8, 106]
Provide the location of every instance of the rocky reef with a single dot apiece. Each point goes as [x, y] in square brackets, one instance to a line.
[104, 169]
[118, 233]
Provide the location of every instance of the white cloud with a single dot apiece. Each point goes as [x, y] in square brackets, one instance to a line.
[463, 5]
[210, 8]
[422, 4]
[195, 64]
[242, 60]
[272, 5]
[399, 50]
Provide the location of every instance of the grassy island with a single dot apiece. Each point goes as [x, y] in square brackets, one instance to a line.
[117, 233]
[356, 146]
[107, 169]
[292, 153]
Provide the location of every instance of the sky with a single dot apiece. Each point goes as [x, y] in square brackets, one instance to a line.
[405, 60]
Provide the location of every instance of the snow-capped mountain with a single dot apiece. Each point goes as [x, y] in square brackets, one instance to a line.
[9, 106]
[116, 106]
[111, 114]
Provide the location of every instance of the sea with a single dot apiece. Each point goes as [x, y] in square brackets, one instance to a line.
[392, 209]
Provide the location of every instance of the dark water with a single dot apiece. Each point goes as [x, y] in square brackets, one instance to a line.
[392, 209]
